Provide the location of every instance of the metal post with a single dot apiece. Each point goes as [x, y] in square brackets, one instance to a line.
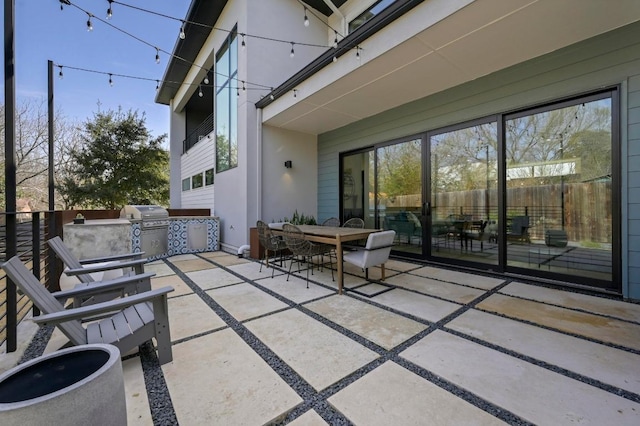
[10, 166]
[562, 180]
[486, 190]
[51, 133]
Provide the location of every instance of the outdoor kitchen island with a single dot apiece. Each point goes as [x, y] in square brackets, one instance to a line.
[158, 237]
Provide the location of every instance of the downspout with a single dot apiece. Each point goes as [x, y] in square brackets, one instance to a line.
[259, 162]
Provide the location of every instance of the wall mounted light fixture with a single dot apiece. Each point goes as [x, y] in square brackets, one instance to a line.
[288, 164]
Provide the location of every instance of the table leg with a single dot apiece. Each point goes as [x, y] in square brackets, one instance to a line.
[339, 262]
[382, 271]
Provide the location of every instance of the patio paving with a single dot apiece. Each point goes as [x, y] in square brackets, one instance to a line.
[429, 346]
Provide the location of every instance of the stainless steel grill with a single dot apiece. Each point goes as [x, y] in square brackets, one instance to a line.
[154, 224]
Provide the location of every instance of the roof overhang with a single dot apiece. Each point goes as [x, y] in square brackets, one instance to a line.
[444, 44]
[185, 51]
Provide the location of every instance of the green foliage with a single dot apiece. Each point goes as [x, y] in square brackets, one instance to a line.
[300, 219]
[118, 163]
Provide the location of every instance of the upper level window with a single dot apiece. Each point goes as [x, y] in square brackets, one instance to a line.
[372, 11]
[227, 105]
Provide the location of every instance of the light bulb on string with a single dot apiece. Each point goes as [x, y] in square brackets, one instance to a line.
[200, 91]
[295, 93]
[335, 40]
[306, 18]
[157, 55]
[182, 34]
[292, 54]
[109, 11]
[60, 72]
[358, 53]
[157, 85]
[335, 58]
[89, 24]
[206, 79]
[243, 86]
[110, 80]
[271, 95]
[243, 44]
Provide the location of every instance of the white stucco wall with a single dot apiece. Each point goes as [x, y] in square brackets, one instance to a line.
[286, 190]
[240, 192]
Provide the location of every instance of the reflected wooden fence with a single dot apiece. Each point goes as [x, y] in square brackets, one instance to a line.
[583, 210]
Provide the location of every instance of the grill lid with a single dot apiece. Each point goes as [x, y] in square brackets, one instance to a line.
[143, 212]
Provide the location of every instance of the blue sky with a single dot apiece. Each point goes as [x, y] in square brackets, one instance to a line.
[44, 32]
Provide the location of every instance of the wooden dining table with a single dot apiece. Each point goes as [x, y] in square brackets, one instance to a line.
[334, 235]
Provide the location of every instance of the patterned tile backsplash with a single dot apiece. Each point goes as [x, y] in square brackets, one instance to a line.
[185, 235]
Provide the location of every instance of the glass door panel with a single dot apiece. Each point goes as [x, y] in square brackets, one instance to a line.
[399, 193]
[464, 196]
[357, 187]
[559, 211]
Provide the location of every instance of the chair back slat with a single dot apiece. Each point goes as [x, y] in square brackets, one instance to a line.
[40, 296]
[72, 262]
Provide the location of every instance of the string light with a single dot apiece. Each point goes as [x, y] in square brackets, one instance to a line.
[200, 91]
[157, 55]
[335, 58]
[243, 44]
[206, 79]
[89, 25]
[60, 66]
[292, 54]
[335, 40]
[295, 93]
[182, 34]
[109, 11]
[243, 86]
[63, 2]
[306, 18]
[271, 94]
[157, 85]
[111, 80]
[358, 53]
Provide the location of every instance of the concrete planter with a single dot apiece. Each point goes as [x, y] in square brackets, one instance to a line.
[81, 385]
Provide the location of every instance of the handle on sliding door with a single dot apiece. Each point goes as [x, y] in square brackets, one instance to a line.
[426, 209]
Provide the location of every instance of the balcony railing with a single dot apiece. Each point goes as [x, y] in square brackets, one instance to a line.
[198, 134]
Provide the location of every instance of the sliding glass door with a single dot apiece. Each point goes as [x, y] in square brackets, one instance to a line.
[559, 189]
[534, 192]
[463, 197]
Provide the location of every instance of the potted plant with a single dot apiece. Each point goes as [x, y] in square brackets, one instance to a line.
[80, 385]
[79, 219]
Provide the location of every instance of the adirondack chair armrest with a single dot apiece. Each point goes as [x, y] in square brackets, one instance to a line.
[136, 264]
[102, 287]
[100, 308]
[112, 258]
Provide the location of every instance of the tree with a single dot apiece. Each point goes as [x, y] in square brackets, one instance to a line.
[32, 150]
[119, 163]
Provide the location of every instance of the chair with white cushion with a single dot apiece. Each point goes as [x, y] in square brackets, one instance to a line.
[375, 252]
